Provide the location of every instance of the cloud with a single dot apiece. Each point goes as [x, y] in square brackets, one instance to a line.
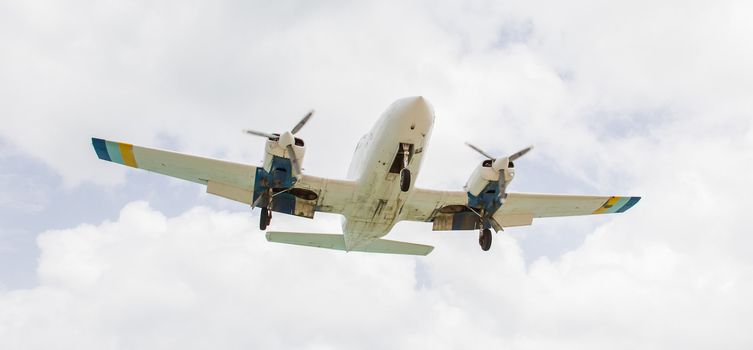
[137, 280]
[661, 276]
[198, 73]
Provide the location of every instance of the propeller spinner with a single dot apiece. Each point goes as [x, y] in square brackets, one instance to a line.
[286, 140]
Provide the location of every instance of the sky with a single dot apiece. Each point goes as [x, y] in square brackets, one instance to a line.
[643, 98]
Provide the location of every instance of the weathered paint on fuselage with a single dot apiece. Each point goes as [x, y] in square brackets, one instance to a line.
[378, 199]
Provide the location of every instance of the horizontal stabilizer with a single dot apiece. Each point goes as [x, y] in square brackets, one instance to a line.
[337, 242]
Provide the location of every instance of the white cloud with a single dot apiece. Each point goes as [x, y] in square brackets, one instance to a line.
[662, 276]
[551, 74]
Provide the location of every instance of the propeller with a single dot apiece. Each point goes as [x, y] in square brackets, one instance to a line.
[286, 140]
[500, 164]
[513, 157]
[303, 122]
[262, 134]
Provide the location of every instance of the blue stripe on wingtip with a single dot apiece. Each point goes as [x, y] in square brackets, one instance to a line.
[101, 148]
[629, 204]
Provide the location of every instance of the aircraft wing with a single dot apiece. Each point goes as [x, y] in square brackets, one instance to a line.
[333, 196]
[230, 180]
[183, 166]
[550, 205]
[448, 211]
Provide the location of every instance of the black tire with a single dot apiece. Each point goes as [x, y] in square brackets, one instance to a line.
[405, 180]
[485, 239]
[264, 219]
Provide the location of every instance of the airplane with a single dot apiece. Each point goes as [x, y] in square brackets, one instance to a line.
[379, 190]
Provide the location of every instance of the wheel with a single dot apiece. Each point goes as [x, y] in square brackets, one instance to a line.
[264, 219]
[405, 180]
[485, 239]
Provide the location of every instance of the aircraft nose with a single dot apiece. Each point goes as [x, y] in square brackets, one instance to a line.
[416, 107]
[418, 104]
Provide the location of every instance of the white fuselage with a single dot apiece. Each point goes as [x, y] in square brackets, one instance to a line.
[378, 197]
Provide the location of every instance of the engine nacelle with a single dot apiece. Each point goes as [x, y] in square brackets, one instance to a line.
[486, 172]
[273, 149]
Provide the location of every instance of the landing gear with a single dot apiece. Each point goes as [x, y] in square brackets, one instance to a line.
[405, 172]
[405, 180]
[485, 239]
[265, 218]
[266, 212]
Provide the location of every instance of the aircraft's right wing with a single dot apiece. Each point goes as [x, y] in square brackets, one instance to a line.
[231, 180]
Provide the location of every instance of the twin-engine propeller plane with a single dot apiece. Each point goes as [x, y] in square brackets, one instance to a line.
[379, 190]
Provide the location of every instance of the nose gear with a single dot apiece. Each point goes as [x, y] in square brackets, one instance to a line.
[405, 172]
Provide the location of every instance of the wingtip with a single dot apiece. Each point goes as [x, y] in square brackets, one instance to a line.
[101, 148]
[630, 203]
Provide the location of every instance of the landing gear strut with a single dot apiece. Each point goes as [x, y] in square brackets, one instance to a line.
[265, 218]
[405, 172]
[485, 239]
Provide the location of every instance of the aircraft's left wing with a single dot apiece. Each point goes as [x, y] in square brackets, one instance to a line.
[551, 205]
[448, 211]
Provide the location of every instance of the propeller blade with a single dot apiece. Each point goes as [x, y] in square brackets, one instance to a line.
[294, 160]
[260, 133]
[303, 122]
[479, 150]
[520, 153]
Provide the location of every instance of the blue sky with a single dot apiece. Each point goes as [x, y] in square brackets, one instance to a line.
[625, 97]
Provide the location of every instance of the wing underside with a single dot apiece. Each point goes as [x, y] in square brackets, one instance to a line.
[196, 169]
[448, 210]
[551, 205]
[231, 180]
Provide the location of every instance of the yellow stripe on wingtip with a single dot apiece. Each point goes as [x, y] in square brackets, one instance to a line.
[126, 151]
[610, 202]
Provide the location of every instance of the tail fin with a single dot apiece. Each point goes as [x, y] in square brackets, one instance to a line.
[337, 242]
